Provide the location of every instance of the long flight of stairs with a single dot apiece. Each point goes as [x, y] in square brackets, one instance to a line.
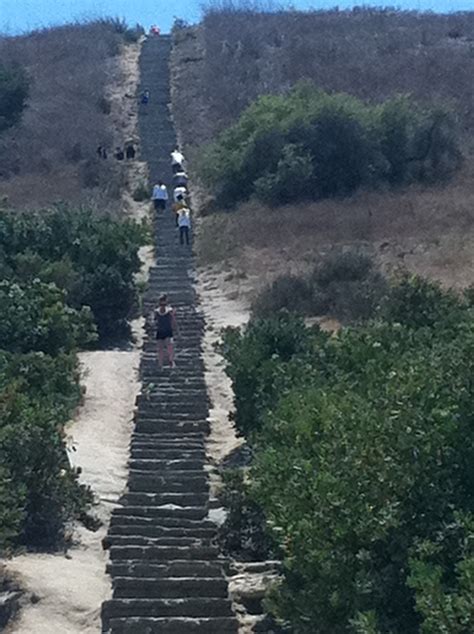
[166, 570]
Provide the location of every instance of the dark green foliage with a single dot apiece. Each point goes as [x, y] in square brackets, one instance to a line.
[309, 145]
[244, 533]
[13, 95]
[254, 363]
[92, 257]
[419, 303]
[36, 318]
[37, 396]
[66, 273]
[363, 464]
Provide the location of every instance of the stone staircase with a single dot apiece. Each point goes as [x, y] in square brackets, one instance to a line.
[166, 570]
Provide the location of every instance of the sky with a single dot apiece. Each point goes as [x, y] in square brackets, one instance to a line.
[18, 16]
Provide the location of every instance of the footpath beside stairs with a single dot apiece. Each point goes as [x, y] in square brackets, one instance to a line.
[166, 570]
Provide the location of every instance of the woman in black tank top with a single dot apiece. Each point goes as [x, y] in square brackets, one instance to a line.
[165, 323]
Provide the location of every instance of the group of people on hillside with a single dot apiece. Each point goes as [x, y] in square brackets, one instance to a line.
[179, 205]
[164, 316]
[127, 151]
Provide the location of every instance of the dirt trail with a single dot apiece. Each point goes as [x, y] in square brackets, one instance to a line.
[64, 592]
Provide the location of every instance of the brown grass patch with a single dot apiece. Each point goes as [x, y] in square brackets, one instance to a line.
[51, 154]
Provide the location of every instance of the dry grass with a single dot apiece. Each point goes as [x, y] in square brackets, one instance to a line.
[429, 231]
[234, 56]
[51, 154]
[369, 53]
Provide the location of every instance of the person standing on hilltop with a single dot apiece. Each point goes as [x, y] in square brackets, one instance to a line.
[166, 325]
[160, 196]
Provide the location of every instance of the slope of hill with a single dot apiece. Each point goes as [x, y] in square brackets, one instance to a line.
[51, 154]
[235, 56]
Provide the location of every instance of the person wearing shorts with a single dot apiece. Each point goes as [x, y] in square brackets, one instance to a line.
[166, 326]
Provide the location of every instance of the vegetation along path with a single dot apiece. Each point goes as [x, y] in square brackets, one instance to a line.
[167, 573]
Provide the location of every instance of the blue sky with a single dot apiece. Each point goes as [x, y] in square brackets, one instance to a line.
[22, 15]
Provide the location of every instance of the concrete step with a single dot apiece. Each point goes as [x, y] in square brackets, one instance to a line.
[165, 511]
[133, 530]
[192, 607]
[144, 540]
[169, 587]
[163, 553]
[187, 568]
[137, 625]
[187, 498]
[160, 466]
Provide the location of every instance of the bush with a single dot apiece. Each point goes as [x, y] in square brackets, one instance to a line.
[65, 272]
[311, 145]
[345, 285]
[363, 448]
[244, 533]
[92, 258]
[255, 364]
[13, 95]
[35, 318]
[37, 396]
[419, 303]
[288, 292]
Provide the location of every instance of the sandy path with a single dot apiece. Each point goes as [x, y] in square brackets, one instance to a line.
[221, 310]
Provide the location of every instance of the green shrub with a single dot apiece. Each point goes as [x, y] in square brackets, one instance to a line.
[35, 318]
[288, 292]
[310, 145]
[244, 533]
[66, 273]
[13, 95]
[93, 258]
[258, 362]
[419, 303]
[363, 448]
[37, 396]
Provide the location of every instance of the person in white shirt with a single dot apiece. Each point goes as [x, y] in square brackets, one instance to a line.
[184, 224]
[179, 193]
[159, 196]
[177, 160]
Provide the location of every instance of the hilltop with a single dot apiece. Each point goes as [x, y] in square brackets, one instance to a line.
[234, 56]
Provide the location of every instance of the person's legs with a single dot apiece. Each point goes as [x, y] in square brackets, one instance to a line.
[171, 352]
[160, 347]
[156, 204]
[181, 235]
[186, 233]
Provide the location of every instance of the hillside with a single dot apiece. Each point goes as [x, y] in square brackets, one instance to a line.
[370, 54]
[51, 155]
